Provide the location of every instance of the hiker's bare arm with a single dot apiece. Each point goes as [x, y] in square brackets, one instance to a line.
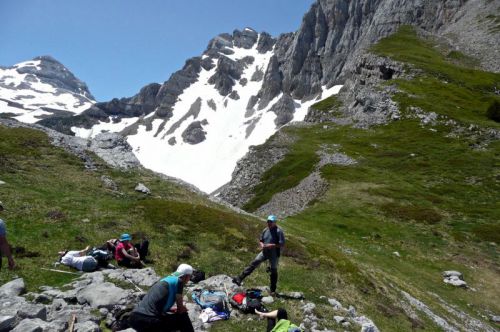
[129, 256]
[5, 248]
[181, 308]
[272, 245]
[84, 251]
[272, 314]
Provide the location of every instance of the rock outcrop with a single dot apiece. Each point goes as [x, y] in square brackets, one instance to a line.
[112, 148]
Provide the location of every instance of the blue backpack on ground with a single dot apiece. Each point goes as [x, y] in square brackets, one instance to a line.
[217, 300]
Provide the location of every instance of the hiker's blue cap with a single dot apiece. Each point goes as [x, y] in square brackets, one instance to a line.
[125, 237]
[272, 218]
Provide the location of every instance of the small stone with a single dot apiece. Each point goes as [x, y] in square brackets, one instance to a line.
[396, 254]
[368, 327]
[335, 304]
[346, 324]
[448, 274]
[339, 319]
[2, 182]
[352, 311]
[455, 281]
[142, 188]
[308, 308]
[267, 300]
[495, 319]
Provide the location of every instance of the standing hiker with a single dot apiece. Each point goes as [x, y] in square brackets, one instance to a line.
[126, 254]
[272, 240]
[153, 312]
[4, 244]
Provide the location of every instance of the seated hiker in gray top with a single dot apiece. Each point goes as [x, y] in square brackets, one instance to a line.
[154, 313]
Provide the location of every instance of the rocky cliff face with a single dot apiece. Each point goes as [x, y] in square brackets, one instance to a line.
[334, 32]
[329, 48]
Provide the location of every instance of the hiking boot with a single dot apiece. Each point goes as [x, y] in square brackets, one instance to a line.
[237, 281]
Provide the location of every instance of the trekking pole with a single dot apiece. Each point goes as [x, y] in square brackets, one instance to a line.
[72, 323]
[61, 271]
[137, 287]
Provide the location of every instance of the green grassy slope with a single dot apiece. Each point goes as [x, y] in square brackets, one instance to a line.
[53, 203]
[419, 190]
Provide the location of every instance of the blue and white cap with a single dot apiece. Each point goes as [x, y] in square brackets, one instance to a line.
[272, 218]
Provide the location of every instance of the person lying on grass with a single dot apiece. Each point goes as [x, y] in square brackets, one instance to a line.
[78, 259]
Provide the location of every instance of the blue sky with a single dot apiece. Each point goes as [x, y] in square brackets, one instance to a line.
[118, 46]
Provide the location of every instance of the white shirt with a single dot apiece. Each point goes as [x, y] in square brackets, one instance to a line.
[73, 259]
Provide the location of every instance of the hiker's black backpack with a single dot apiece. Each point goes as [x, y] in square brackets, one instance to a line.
[122, 321]
[101, 256]
[197, 276]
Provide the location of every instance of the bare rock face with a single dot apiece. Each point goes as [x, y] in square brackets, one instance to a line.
[334, 32]
[115, 150]
[284, 109]
[365, 101]
[227, 72]
[194, 133]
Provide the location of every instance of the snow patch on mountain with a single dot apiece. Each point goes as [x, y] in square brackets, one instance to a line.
[35, 89]
[215, 119]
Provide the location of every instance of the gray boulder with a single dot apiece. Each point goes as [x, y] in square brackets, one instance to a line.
[335, 304]
[217, 282]
[142, 277]
[13, 288]
[82, 313]
[30, 310]
[87, 326]
[31, 325]
[108, 183]
[103, 295]
[115, 150]
[7, 323]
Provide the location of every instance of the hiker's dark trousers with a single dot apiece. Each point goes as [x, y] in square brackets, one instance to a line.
[273, 258]
[142, 248]
[167, 323]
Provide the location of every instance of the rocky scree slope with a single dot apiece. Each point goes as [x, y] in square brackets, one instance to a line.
[41, 88]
